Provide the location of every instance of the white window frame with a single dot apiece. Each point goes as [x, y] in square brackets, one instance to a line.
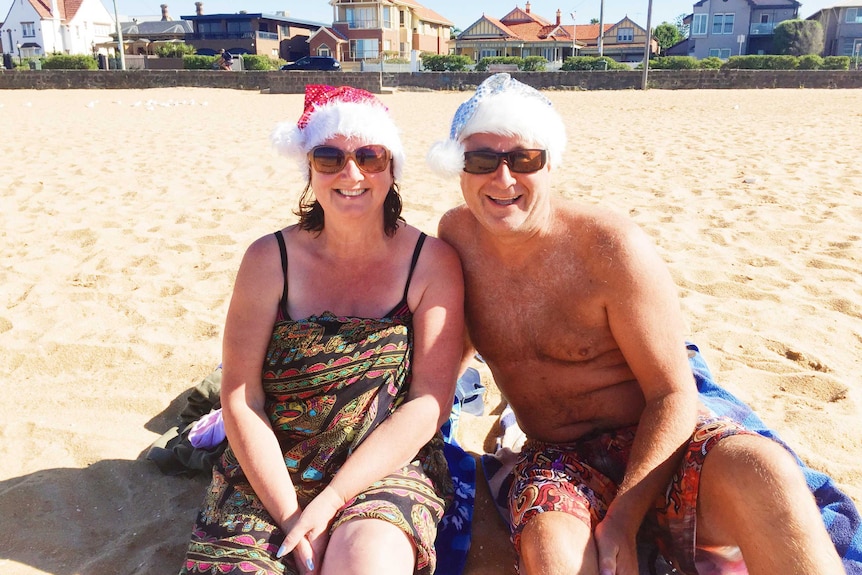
[853, 16]
[721, 21]
[28, 29]
[625, 35]
[723, 53]
[700, 25]
[323, 50]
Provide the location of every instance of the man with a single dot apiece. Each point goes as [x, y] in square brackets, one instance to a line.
[577, 318]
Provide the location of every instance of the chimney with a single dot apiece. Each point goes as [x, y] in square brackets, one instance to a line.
[165, 16]
[528, 7]
[199, 8]
[558, 16]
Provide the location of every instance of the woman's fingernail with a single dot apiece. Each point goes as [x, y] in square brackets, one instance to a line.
[310, 564]
[282, 551]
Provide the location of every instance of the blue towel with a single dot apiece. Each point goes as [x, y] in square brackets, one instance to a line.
[839, 513]
[454, 533]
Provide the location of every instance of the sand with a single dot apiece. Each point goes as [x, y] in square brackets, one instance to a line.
[124, 215]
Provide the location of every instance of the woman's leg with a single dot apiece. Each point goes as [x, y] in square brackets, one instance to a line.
[369, 547]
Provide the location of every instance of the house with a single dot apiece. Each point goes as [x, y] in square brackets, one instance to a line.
[370, 29]
[842, 29]
[38, 27]
[725, 28]
[141, 36]
[275, 35]
[523, 33]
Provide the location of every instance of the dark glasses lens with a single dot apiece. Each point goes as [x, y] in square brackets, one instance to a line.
[519, 161]
[331, 160]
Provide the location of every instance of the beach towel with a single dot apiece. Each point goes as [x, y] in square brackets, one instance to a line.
[839, 513]
[193, 446]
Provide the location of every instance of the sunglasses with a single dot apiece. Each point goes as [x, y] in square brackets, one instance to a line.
[519, 161]
[331, 160]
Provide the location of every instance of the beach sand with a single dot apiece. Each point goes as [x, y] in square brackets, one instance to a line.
[124, 216]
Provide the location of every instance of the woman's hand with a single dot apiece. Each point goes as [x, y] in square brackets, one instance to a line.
[308, 534]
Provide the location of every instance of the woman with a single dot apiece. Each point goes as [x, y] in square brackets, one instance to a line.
[341, 351]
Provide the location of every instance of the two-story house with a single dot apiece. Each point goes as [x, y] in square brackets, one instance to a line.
[842, 29]
[725, 28]
[275, 35]
[34, 28]
[367, 30]
[523, 33]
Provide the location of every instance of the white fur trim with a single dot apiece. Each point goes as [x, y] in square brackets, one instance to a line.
[446, 158]
[366, 123]
[512, 114]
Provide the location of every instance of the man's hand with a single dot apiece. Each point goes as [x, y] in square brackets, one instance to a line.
[616, 548]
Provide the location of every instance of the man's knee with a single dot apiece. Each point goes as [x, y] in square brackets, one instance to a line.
[558, 543]
[751, 463]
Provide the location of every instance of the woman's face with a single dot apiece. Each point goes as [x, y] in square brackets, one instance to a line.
[350, 177]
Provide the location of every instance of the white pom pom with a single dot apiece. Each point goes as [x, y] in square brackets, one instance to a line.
[446, 158]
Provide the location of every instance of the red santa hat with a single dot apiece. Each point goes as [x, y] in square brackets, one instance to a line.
[339, 111]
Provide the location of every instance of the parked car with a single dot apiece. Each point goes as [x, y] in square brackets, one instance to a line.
[324, 63]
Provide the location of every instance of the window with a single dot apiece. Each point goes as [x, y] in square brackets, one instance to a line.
[854, 16]
[698, 25]
[626, 35]
[722, 23]
[28, 29]
[764, 18]
[362, 17]
[387, 16]
[323, 50]
[210, 28]
[723, 53]
[363, 49]
[241, 27]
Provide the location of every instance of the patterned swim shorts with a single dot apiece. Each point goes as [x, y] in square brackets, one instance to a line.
[581, 479]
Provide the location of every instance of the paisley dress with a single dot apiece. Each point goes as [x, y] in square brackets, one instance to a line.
[329, 382]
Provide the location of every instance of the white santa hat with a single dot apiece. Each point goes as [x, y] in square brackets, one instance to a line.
[505, 107]
[339, 111]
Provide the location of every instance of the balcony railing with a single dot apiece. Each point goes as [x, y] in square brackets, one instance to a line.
[762, 29]
[233, 35]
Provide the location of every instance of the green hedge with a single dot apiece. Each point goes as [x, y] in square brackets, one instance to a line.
[445, 62]
[260, 62]
[783, 62]
[69, 62]
[199, 62]
[592, 63]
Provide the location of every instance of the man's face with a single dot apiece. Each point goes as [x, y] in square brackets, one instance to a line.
[506, 201]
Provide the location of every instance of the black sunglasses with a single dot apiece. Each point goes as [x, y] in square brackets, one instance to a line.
[519, 161]
[331, 160]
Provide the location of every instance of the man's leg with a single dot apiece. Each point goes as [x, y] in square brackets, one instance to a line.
[753, 495]
[555, 543]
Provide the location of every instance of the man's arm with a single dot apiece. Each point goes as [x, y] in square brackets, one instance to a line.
[646, 322]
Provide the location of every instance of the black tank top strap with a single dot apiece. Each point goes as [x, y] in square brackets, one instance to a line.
[283, 251]
[416, 252]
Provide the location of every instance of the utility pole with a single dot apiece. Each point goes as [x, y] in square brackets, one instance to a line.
[647, 44]
[120, 38]
[574, 34]
[601, 28]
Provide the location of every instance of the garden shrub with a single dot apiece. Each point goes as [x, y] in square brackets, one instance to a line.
[70, 62]
[198, 62]
[836, 63]
[810, 62]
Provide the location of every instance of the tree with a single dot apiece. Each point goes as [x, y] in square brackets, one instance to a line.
[666, 35]
[680, 24]
[798, 37]
[594, 20]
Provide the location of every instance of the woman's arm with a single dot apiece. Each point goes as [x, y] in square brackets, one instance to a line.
[248, 329]
[437, 299]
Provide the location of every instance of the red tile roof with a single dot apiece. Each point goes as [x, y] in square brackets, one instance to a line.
[67, 9]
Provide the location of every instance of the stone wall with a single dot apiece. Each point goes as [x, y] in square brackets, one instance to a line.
[294, 82]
